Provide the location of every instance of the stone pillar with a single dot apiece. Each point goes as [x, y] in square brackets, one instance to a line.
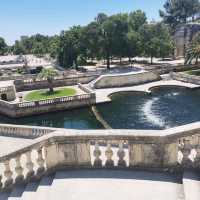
[146, 155]
[171, 155]
[68, 155]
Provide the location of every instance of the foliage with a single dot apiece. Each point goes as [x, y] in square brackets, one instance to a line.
[49, 75]
[179, 11]
[193, 51]
[156, 40]
[44, 94]
[116, 36]
[3, 46]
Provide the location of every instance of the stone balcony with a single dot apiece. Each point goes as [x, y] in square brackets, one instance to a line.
[173, 151]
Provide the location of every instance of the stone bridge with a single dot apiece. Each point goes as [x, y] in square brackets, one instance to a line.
[102, 95]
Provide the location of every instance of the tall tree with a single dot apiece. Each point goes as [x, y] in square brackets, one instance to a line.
[136, 19]
[156, 40]
[70, 47]
[3, 46]
[179, 11]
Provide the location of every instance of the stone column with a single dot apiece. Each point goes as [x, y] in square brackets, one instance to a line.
[171, 155]
[68, 155]
[146, 155]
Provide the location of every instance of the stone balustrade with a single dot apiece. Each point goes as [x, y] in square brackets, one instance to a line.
[60, 81]
[23, 131]
[20, 109]
[172, 149]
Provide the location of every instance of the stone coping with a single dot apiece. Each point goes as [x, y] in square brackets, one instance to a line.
[134, 136]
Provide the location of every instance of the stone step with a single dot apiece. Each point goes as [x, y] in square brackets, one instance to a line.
[17, 192]
[4, 195]
[191, 185]
[29, 192]
[114, 184]
[42, 191]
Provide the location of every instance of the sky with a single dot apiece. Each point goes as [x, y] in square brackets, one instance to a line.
[49, 17]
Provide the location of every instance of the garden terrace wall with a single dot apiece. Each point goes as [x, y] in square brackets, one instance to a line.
[181, 76]
[32, 84]
[124, 80]
[44, 106]
[166, 68]
[168, 150]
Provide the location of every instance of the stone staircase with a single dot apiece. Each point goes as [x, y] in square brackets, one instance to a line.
[106, 185]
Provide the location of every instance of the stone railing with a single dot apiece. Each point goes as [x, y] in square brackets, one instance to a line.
[34, 83]
[181, 76]
[173, 149]
[5, 89]
[48, 105]
[23, 131]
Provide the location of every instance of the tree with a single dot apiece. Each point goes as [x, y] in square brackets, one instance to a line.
[49, 75]
[70, 47]
[18, 48]
[134, 44]
[136, 19]
[179, 11]
[156, 40]
[193, 51]
[3, 46]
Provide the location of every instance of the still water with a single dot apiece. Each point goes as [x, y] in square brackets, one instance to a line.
[164, 108]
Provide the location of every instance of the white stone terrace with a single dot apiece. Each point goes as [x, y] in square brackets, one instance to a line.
[102, 95]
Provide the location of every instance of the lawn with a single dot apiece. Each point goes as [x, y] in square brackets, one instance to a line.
[45, 94]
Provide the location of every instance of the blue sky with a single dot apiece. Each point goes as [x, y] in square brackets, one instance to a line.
[26, 17]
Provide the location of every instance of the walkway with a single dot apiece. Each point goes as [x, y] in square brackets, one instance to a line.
[103, 94]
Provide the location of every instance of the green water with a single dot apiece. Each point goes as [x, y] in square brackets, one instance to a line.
[164, 108]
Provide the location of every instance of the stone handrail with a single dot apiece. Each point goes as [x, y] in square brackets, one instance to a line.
[19, 131]
[167, 149]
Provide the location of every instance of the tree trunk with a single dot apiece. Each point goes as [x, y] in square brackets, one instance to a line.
[120, 60]
[51, 90]
[108, 60]
[151, 60]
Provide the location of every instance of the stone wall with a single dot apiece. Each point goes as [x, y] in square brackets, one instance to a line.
[123, 80]
[32, 84]
[181, 76]
[45, 106]
[8, 92]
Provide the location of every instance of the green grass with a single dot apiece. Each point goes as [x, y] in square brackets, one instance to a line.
[193, 72]
[45, 94]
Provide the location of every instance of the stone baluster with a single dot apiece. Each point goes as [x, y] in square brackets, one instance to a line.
[97, 154]
[185, 149]
[121, 155]
[29, 166]
[40, 162]
[8, 174]
[109, 154]
[19, 170]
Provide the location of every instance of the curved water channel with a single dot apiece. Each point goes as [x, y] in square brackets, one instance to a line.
[165, 107]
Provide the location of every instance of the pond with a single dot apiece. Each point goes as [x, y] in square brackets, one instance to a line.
[164, 108]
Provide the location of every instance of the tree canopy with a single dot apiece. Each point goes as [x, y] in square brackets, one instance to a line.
[179, 11]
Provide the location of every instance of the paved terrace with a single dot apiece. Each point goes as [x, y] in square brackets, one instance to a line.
[103, 94]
